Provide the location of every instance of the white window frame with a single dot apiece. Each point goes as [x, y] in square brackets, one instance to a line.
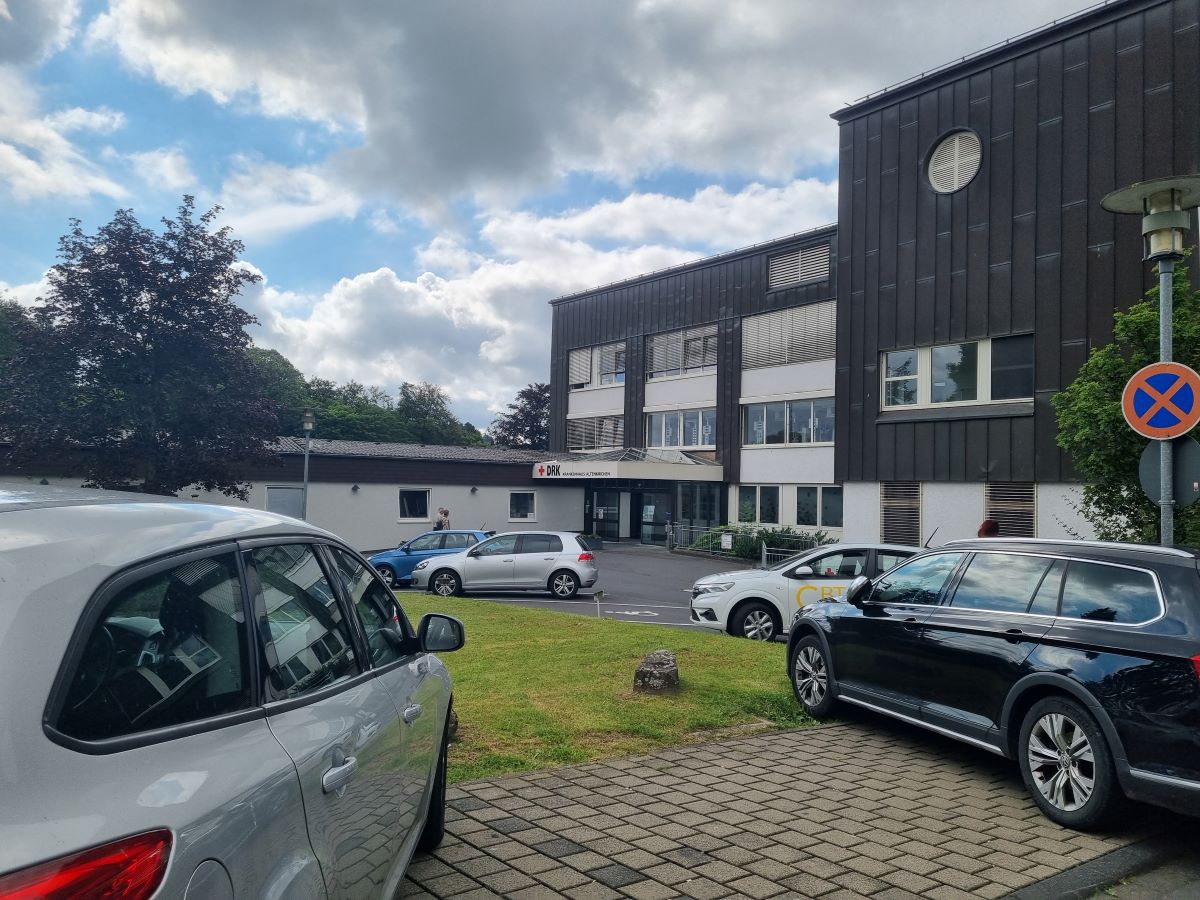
[924, 377]
[787, 425]
[532, 517]
[758, 505]
[820, 524]
[682, 337]
[595, 444]
[680, 413]
[428, 504]
[595, 376]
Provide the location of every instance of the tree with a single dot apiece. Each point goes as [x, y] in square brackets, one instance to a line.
[138, 354]
[14, 323]
[527, 423]
[1092, 428]
[284, 385]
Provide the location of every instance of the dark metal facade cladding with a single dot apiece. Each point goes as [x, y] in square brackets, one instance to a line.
[720, 289]
[1064, 116]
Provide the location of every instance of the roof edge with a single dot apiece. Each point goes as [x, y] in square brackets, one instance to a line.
[1010, 48]
[702, 262]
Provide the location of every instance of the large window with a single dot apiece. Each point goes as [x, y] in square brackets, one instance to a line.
[1003, 582]
[788, 422]
[919, 581]
[819, 506]
[682, 428]
[600, 365]
[794, 335]
[522, 506]
[981, 371]
[1109, 594]
[693, 350]
[599, 432]
[414, 505]
[759, 503]
[168, 649]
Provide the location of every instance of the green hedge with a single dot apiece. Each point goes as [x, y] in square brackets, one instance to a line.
[748, 540]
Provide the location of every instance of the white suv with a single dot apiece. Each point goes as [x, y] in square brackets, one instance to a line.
[555, 561]
[757, 603]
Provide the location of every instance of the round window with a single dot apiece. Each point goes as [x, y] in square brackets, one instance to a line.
[955, 162]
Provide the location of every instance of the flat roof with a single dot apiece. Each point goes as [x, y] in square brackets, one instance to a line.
[810, 234]
[429, 452]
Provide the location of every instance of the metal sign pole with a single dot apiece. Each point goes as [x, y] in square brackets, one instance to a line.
[1166, 477]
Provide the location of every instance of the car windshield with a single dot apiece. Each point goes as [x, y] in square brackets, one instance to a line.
[792, 560]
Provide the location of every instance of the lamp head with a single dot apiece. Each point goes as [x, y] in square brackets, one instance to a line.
[309, 422]
[1164, 205]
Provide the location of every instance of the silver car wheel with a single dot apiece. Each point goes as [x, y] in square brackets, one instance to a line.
[812, 681]
[388, 576]
[1061, 761]
[758, 625]
[563, 584]
[445, 584]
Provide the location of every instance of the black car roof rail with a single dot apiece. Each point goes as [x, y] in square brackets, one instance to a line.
[1185, 552]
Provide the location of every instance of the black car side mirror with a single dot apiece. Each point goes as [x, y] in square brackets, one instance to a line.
[859, 590]
[441, 634]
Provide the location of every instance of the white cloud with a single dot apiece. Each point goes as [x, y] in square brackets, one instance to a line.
[265, 200]
[25, 294]
[515, 94]
[478, 322]
[164, 169]
[101, 121]
[35, 28]
[36, 158]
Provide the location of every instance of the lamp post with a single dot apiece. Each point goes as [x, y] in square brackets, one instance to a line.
[309, 422]
[1164, 205]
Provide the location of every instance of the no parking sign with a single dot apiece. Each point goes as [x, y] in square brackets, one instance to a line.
[1162, 401]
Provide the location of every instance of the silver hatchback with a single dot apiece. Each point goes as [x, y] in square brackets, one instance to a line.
[556, 561]
[202, 701]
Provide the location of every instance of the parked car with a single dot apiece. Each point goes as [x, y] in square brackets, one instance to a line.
[1076, 659]
[395, 566]
[756, 603]
[556, 561]
[208, 701]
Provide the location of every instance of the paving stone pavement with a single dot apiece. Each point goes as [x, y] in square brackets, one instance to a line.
[864, 808]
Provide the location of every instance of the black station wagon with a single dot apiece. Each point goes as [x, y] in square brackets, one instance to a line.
[1080, 660]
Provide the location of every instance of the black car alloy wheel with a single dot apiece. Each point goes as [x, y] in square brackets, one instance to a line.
[810, 677]
[1066, 763]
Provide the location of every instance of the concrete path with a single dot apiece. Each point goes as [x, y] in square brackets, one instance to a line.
[864, 808]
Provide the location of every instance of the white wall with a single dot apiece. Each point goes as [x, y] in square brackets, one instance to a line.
[367, 518]
[681, 391]
[1056, 512]
[860, 511]
[792, 465]
[954, 509]
[597, 401]
[816, 378]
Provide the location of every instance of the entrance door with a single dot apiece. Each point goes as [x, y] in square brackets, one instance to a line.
[606, 515]
[655, 511]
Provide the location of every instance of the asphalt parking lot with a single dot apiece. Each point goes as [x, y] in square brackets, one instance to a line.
[866, 807]
[639, 584]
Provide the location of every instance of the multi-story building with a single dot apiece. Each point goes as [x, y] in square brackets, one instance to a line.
[977, 269]
[701, 394]
[974, 270]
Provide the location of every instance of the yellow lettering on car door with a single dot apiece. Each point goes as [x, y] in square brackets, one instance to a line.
[800, 593]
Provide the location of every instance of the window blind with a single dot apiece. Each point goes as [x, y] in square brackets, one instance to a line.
[900, 512]
[798, 334]
[805, 264]
[1013, 507]
[596, 432]
[579, 367]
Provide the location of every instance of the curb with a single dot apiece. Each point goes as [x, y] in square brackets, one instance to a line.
[1086, 878]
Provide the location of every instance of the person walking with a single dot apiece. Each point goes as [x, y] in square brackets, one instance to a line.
[443, 519]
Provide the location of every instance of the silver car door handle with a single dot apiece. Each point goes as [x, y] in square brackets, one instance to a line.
[506, 560]
[547, 559]
[335, 778]
[412, 713]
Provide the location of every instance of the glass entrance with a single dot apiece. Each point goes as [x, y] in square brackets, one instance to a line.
[606, 515]
[699, 505]
[654, 508]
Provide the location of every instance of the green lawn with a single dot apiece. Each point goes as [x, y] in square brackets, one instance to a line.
[536, 689]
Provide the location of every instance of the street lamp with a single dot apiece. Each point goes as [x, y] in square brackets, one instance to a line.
[308, 423]
[1164, 205]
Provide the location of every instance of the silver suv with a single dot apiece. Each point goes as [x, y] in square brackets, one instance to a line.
[204, 701]
[555, 561]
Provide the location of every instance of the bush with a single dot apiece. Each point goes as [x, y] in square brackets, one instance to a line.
[748, 540]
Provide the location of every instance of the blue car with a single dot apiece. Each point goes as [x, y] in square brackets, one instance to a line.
[395, 566]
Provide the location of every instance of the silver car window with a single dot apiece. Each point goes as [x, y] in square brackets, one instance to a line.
[376, 607]
[540, 543]
[311, 638]
[168, 649]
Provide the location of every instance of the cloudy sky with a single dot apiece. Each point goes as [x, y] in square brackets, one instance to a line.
[416, 180]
